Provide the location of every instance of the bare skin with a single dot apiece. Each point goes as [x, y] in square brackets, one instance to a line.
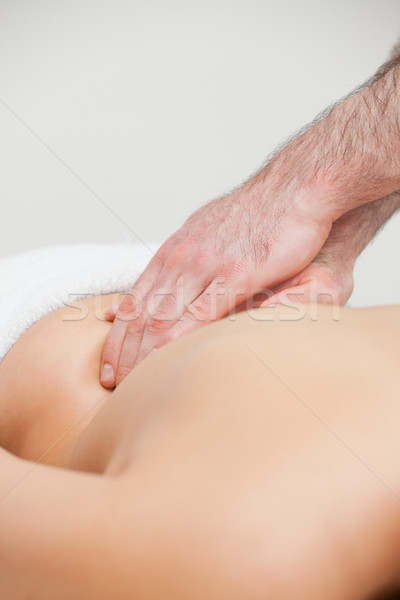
[249, 459]
[267, 231]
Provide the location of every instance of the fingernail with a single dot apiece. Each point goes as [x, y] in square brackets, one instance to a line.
[107, 374]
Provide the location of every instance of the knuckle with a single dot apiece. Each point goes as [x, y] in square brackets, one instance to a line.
[167, 309]
[164, 250]
[178, 255]
[161, 293]
[127, 305]
[134, 330]
[159, 257]
[157, 325]
[203, 260]
[196, 314]
[128, 315]
[232, 268]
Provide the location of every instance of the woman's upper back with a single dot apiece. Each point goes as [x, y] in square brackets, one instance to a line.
[49, 380]
[226, 446]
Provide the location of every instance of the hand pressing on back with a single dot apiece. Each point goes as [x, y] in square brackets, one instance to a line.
[329, 278]
[269, 232]
[224, 253]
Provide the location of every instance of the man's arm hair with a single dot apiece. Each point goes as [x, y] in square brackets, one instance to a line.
[392, 61]
[354, 230]
[348, 156]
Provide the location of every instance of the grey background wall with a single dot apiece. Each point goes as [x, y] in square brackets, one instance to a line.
[118, 119]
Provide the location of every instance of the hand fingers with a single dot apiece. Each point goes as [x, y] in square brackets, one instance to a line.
[166, 313]
[135, 329]
[111, 312]
[213, 304]
[112, 346]
[254, 301]
[294, 295]
[179, 261]
[129, 348]
[304, 294]
[128, 311]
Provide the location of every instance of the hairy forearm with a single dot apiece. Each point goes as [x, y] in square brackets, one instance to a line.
[353, 231]
[348, 157]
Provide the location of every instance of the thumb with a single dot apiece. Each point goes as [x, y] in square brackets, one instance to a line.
[111, 312]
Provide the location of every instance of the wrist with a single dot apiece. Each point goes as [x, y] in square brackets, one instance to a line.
[338, 164]
[336, 261]
[293, 180]
[287, 185]
[342, 248]
[338, 273]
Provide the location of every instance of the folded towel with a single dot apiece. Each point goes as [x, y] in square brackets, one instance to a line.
[34, 283]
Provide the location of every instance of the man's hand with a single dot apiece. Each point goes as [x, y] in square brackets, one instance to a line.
[319, 283]
[329, 278]
[225, 252]
[322, 282]
[267, 231]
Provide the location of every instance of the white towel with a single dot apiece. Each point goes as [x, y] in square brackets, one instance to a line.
[34, 283]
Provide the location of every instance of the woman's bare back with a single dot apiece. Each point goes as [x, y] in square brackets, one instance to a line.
[264, 440]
